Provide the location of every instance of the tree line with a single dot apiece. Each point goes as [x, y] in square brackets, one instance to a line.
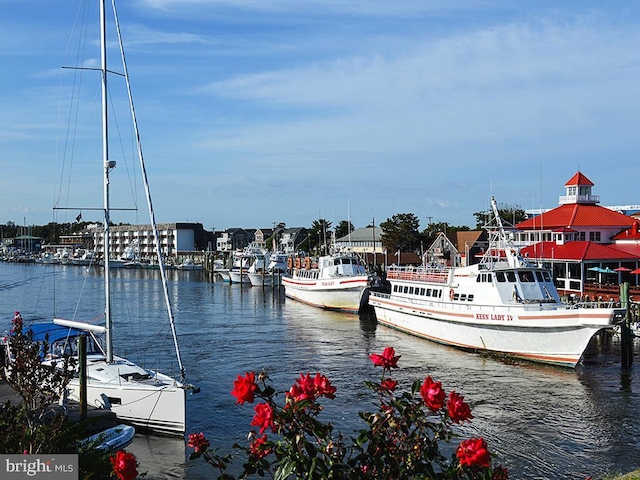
[400, 232]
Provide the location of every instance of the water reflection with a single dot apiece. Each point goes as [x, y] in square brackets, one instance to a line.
[541, 421]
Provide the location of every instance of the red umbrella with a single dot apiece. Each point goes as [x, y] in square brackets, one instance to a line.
[636, 271]
[622, 269]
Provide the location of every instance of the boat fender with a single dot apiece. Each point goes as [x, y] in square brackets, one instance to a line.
[451, 293]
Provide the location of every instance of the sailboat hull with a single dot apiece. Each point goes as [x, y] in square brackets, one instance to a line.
[158, 408]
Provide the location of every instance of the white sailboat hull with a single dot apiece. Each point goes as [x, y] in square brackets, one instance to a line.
[156, 404]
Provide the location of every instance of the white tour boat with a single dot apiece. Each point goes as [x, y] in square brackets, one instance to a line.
[504, 305]
[336, 283]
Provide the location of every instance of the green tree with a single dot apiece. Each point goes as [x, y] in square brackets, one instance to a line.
[344, 228]
[400, 232]
[320, 236]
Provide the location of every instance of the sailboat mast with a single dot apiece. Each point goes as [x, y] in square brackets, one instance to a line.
[106, 165]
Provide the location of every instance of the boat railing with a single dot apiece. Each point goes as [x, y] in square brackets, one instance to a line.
[484, 308]
[420, 274]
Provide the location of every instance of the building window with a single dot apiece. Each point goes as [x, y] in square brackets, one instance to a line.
[594, 236]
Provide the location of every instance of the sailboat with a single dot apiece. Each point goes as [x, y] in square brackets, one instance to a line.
[146, 399]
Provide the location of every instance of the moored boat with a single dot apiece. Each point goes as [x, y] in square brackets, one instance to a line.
[503, 305]
[272, 275]
[335, 283]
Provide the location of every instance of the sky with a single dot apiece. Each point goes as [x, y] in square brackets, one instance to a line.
[253, 113]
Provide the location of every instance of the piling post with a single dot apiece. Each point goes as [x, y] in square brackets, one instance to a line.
[626, 346]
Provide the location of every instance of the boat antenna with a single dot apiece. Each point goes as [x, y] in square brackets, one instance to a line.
[154, 226]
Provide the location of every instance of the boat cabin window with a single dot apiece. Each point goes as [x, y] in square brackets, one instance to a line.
[410, 290]
[69, 347]
[526, 276]
[422, 290]
[429, 292]
[484, 277]
[539, 277]
[546, 276]
[511, 277]
[463, 297]
[470, 297]
[500, 277]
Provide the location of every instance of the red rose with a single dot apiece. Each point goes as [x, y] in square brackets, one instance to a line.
[263, 417]
[310, 388]
[198, 442]
[323, 386]
[388, 359]
[473, 453]
[388, 384]
[459, 410]
[257, 448]
[433, 394]
[244, 388]
[124, 465]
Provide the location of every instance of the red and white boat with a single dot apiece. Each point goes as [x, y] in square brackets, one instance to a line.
[504, 305]
[335, 283]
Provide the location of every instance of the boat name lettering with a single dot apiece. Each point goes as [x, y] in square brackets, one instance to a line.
[493, 316]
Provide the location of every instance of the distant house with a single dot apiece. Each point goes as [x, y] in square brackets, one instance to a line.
[294, 239]
[442, 251]
[471, 244]
[234, 239]
[362, 240]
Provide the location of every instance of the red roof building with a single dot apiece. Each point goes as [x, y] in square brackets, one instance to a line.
[579, 238]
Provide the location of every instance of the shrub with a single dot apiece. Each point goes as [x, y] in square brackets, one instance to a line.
[400, 440]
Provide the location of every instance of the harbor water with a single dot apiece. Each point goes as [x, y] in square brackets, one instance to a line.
[540, 422]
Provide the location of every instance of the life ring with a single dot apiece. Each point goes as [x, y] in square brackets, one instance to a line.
[451, 294]
[289, 263]
[307, 263]
[298, 262]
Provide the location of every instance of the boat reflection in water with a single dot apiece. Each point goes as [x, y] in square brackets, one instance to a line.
[540, 421]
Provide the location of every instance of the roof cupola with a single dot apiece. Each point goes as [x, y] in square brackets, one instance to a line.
[578, 190]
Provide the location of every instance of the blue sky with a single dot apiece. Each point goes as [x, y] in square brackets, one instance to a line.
[255, 112]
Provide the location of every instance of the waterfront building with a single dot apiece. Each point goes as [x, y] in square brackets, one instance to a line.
[584, 243]
[362, 240]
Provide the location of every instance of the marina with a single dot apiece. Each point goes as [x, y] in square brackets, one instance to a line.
[541, 421]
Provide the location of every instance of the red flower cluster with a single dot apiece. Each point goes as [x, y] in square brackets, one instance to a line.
[124, 465]
[244, 388]
[198, 442]
[388, 359]
[473, 453]
[311, 388]
[432, 394]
